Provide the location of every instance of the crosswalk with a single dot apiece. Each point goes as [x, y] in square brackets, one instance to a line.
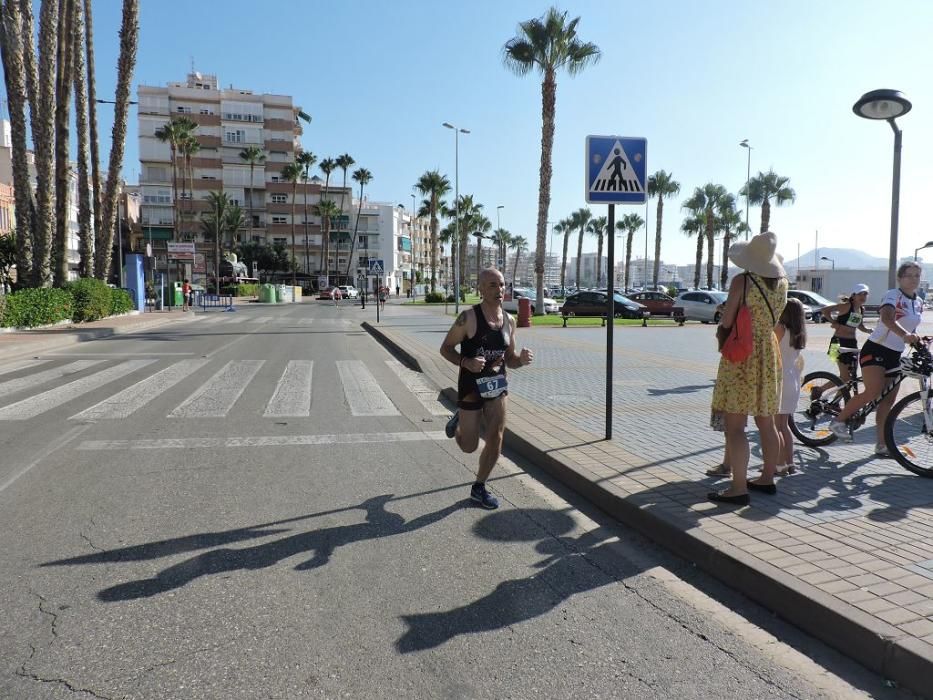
[245, 318]
[213, 389]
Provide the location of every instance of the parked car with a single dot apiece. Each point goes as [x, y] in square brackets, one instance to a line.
[811, 301]
[550, 306]
[702, 306]
[326, 293]
[349, 291]
[590, 303]
[656, 302]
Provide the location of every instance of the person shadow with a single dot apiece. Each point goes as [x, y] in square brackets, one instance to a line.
[321, 543]
[570, 565]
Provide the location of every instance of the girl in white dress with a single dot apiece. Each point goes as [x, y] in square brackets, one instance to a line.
[791, 331]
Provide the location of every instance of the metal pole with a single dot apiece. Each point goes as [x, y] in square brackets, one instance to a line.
[456, 251]
[411, 271]
[610, 322]
[895, 206]
[748, 177]
[120, 244]
[644, 284]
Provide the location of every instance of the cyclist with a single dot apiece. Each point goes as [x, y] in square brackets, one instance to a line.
[880, 357]
[849, 316]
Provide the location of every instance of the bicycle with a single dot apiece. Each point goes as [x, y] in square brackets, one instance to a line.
[908, 430]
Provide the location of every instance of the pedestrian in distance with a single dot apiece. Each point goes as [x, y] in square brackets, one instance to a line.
[486, 336]
[336, 295]
[846, 317]
[397, 290]
[185, 295]
[751, 386]
[791, 332]
[880, 357]
[383, 293]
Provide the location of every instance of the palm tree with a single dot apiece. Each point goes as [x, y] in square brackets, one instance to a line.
[481, 226]
[63, 81]
[188, 147]
[92, 122]
[566, 226]
[584, 216]
[326, 209]
[364, 177]
[765, 187]
[707, 198]
[660, 185]
[729, 222]
[434, 186]
[470, 213]
[126, 63]
[85, 213]
[344, 162]
[174, 133]
[254, 156]
[519, 244]
[292, 173]
[213, 225]
[547, 44]
[327, 166]
[233, 223]
[629, 224]
[306, 159]
[597, 227]
[501, 238]
[13, 43]
[695, 225]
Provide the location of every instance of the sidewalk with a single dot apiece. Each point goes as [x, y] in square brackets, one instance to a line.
[844, 551]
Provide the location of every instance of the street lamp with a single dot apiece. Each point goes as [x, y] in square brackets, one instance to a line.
[928, 244]
[411, 229]
[499, 228]
[832, 260]
[456, 244]
[748, 176]
[888, 105]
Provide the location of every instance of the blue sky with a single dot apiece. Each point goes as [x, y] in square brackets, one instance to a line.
[693, 78]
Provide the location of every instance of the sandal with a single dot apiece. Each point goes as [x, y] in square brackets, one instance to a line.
[721, 469]
[784, 471]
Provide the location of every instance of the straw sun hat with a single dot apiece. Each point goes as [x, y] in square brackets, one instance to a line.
[759, 255]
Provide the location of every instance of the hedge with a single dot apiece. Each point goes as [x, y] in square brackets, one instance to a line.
[28, 308]
[120, 302]
[435, 297]
[92, 299]
[241, 290]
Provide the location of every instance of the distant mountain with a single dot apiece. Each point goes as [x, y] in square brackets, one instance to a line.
[843, 257]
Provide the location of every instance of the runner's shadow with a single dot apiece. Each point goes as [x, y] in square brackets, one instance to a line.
[571, 565]
[688, 389]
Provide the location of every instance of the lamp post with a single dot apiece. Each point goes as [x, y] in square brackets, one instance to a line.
[456, 243]
[748, 176]
[832, 260]
[411, 228]
[888, 105]
[928, 244]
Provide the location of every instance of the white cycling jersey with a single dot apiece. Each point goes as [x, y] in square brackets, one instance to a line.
[907, 312]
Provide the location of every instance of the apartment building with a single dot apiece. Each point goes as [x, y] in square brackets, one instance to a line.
[228, 121]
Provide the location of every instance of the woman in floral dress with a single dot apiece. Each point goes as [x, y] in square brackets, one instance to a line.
[752, 387]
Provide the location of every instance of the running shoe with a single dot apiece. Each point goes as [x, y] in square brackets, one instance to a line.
[451, 428]
[881, 450]
[839, 429]
[480, 495]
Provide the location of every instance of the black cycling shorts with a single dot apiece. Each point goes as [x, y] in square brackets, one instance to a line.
[875, 355]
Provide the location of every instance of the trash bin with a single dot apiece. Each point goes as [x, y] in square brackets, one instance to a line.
[524, 312]
[280, 293]
[178, 299]
[267, 294]
[296, 294]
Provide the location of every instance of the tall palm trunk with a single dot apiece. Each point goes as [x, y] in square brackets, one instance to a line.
[479, 258]
[724, 270]
[126, 62]
[518, 255]
[433, 241]
[356, 228]
[579, 255]
[548, 102]
[563, 261]
[325, 239]
[250, 207]
[85, 232]
[699, 262]
[12, 48]
[599, 261]
[657, 240]
[96, 195]
[294, 197]
[711, 248]
[63, 80]
[307, 239]
[43, 138]
[627, 279]
[765, 215]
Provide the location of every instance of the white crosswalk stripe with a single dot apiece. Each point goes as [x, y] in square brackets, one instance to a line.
[33, 380]
[423, 390]
[17, 366]
[217, 396]
[364, 395]
[47, 400]
[292, 397]
[135, 397]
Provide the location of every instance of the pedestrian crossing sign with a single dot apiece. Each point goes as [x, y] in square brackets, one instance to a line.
[376, 267]
[616, 168]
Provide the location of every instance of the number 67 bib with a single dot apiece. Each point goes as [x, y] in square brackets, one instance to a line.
[491, 387]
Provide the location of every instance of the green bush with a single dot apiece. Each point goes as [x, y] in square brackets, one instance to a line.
[120, 302]
[2, 309]
[435, 297]
[92, 299]
[29, 308]
[241, 290]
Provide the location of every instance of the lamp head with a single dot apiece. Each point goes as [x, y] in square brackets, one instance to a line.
[449, 126]
[744, 143]
[882, 104]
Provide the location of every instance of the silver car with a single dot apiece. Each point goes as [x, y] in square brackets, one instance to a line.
[699, 305]
[550, 306]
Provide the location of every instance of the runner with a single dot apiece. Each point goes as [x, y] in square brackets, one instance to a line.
[185, 295]
[486, 336]
[335, 293]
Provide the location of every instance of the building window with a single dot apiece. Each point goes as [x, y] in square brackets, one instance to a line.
[363, 242]
[183, 110]
[279, 220]
[205, 111]
[275, 178]
[280, 199]
[282, 241]
[237, 136]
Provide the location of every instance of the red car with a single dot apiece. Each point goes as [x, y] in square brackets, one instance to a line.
[658, 303]
[327, 293]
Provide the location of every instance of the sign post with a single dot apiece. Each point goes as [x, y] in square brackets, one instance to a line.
[616, 173]
[377, 270]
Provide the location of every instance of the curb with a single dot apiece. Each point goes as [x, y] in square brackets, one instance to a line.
[856, 634]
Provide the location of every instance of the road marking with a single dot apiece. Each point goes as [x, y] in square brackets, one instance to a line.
[217, 396]
[363, 392]
[47, 400]
[292, 397]
[418, 385]
[135, 397]
[260, 441]
[53, 446]
[14, 385]
[25, 364]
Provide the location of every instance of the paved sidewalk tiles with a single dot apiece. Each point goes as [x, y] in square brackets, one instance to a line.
[844, 550]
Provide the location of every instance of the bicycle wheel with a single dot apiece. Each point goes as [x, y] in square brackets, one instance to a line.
[907, 437]
[822, 396]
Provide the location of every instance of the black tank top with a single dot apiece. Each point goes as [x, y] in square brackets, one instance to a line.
[489, 343]
[843, 319]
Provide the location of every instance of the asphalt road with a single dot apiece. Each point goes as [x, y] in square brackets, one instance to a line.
[263, 505]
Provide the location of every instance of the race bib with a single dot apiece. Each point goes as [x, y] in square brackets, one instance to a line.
[854, 321]
[491, 387]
